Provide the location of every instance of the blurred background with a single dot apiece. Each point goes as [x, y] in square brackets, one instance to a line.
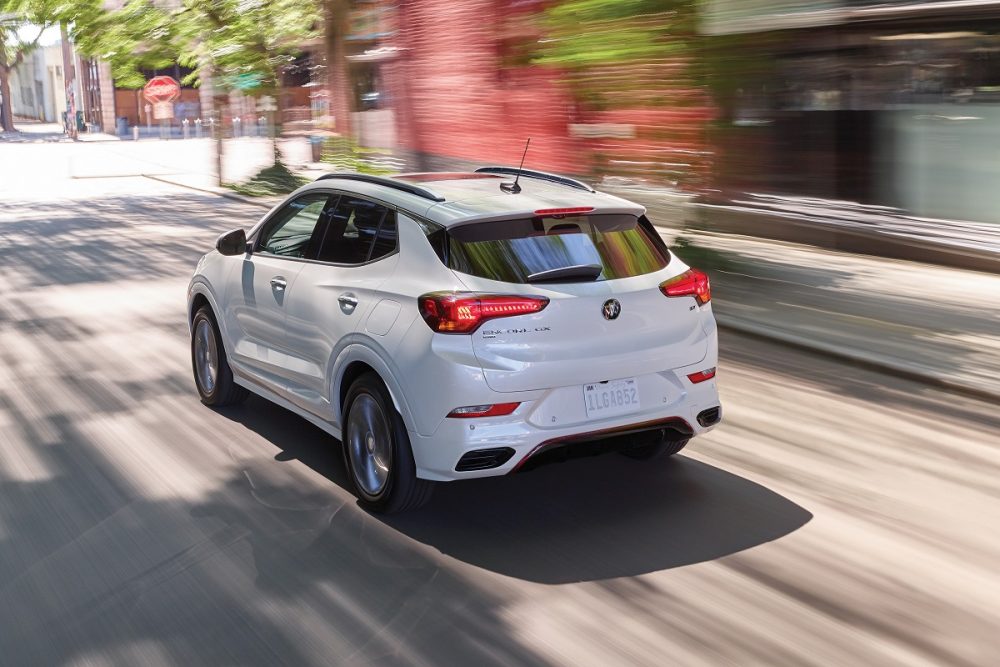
[882, 115]
[883, 104]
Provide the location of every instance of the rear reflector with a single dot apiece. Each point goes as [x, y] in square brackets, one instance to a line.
[463, 312]
[702, 376]
[544, 212]
[690, 283]
[473, 411]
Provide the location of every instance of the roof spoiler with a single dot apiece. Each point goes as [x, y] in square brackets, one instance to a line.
[540, 175]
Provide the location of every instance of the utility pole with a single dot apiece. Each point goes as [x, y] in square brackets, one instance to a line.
[69, 78]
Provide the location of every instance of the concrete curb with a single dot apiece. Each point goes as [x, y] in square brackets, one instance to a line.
[217, 192]
[822, 233]
[855, 357]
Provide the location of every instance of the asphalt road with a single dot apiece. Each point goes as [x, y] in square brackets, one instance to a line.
[838, 517]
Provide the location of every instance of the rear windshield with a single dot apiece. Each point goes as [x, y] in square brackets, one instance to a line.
[600, 247]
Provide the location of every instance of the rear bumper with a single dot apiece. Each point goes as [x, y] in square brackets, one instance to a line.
[531, 429]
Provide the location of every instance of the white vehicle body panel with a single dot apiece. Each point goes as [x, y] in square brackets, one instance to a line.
[294, 345]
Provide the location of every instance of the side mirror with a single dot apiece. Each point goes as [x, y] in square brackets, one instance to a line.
[232, 243]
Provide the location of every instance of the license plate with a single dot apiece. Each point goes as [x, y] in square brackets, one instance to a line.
[607, 399]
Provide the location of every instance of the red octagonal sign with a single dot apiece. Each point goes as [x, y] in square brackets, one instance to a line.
[162, 89]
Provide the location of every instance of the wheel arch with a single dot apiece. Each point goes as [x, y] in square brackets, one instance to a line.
[199, 295]
[353, 362]
[197, 302]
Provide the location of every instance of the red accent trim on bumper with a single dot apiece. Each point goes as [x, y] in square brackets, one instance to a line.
[597, 435]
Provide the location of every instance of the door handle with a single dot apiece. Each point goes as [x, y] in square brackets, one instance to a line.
[348, 301]
[279, 283]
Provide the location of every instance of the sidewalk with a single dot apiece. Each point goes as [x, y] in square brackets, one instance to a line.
[935, 324]
[33, 131]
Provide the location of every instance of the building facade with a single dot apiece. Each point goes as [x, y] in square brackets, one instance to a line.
[894, 104]
[38, 88]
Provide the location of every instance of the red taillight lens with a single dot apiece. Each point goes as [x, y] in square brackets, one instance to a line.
[461, 313]
[690, 283]
[558, 212]
[471, 411]
[702, 376]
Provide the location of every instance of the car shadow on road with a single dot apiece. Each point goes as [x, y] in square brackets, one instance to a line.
[583, 520]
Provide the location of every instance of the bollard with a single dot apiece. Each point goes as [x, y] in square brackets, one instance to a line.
[262, 126]
[236, 126]
[197, 128]
[135, 133]
[185, 128]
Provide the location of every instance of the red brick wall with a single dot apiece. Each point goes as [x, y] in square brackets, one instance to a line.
[456, 100]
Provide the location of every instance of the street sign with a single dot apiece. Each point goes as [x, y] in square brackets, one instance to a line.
[163, 110]
[161, 89]
[245, 82]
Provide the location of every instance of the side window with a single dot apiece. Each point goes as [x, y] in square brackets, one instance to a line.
[291, 231]
[385, 240]
[359, 231]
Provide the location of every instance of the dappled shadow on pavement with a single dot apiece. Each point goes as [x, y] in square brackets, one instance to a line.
[262, 569]
[138, 526]
[112, 239]
[583, 520]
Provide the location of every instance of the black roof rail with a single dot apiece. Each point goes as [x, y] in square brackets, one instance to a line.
[387, 182]
[540, 175]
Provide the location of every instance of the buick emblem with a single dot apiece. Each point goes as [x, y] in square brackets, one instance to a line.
[612, 309]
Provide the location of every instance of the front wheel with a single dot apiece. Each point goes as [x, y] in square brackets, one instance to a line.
[377, 450]
[212, 374]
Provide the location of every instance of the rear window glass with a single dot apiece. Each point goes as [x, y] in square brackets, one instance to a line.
[619, 246]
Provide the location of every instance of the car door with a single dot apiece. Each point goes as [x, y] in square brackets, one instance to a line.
[335, 294]
[255, 312]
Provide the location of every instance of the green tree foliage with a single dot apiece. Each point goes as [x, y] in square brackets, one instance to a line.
[241, 43]
[140, 35]
[585, 33]
[244, 43]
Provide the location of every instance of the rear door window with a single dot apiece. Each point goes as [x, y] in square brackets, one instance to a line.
[603, 247]
[358, 231]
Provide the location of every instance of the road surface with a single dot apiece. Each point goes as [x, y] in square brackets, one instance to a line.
[837, 517]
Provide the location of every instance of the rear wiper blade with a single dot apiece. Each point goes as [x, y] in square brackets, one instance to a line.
[588, 272]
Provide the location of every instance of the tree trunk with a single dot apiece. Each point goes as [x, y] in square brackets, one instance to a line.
[339, 85]
[6, 111]
[69, 78]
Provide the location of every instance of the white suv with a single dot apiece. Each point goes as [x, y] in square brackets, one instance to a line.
[454, 325]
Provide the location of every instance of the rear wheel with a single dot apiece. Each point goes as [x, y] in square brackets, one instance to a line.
[377, 450]
[661, 447]
[212, 374]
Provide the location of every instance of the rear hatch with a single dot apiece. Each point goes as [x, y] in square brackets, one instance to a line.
[606, 317]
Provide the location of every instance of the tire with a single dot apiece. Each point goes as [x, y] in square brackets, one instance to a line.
[377, 451]
[215, 383]
[660, 448]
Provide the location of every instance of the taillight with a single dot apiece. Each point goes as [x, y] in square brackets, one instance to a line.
[702, 376]
[463, 312]
[472, 411]
[690, 283]
[560, 212]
